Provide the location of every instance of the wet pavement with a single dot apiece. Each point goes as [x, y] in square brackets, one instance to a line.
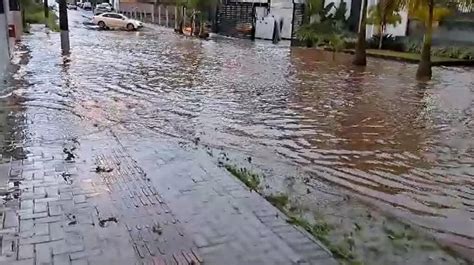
[155, 101]
[82, 187]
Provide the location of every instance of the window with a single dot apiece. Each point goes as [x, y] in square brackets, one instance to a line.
[116, 16]
[2, 10]
[14, 5]
[106, 15]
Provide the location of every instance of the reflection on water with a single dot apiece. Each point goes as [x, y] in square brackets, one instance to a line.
[374, 131]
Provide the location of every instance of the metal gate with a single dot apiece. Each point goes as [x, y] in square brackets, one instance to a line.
[237, 19]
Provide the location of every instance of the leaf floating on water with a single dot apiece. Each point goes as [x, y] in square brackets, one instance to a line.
[100, 169]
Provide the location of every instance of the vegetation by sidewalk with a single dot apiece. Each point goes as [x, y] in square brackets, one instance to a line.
[34, 14]
[415, 57]
[250, 179]
[354, 234]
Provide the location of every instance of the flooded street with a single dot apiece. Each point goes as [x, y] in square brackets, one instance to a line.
[403, 146]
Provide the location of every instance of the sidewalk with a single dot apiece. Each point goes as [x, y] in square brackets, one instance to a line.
[89, 193]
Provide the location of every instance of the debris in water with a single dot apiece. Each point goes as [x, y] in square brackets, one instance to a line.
[157, 229]
[67, 177]
[249, 159]
[72, 219]
[102, 222]
[100, 169]
[70, 156]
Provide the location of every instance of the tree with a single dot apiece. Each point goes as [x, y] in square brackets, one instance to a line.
[336, 42]
[360, 56]
[429, 11]
[199, 9]
[313, 8]
[323, 26]
[385, 12]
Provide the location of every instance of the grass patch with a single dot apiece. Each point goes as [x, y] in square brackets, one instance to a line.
[250, 179]
[320, 230]
[407, 55]
[34, 14]
[279, 200]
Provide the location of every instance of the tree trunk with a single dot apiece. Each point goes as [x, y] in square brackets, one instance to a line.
[23, 19]
[201, 26]
[46, 12]
[192, 23]
[360, 55]
[424, 67]
[381, 37]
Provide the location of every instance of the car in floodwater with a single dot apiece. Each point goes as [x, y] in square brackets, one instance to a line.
[102, 8]
[116, 21]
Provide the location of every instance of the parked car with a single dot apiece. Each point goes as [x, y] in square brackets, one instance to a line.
[87, 6]
[105, 5]
[102, 8]
[71, 6]
[116, 21]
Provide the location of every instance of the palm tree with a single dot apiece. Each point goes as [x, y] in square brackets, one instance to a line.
[428, 11]
[382, 14]
[424, 66]
[360, 56]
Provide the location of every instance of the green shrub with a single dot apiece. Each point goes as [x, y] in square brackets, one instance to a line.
[34, 14]
[349, 44]
[278, 200]
[251, 180]
[466, 53]
[413, 47]
[389, 42]
[455, 52]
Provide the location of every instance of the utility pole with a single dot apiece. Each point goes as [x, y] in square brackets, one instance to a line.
[46, 11]
[63, 27]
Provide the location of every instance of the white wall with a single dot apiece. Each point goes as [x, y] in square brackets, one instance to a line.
[283, 9]
[398, 30]
[4, 44]
[264, 28]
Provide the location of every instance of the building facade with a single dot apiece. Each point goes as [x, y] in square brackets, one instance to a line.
[4, 39]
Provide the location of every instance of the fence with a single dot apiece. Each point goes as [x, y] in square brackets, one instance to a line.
[237, 19]
[164, 15]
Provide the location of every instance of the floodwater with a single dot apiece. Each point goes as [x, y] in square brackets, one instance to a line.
[375, 132]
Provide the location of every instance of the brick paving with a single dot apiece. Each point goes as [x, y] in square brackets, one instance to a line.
[229, 223]
[141, 201]
[68, 214]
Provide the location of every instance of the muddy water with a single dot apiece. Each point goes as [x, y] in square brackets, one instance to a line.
[405, 146]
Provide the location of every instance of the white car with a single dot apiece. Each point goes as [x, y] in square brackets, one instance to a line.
[87, 6]
[116, 21]
[102, 8]
[105, 5]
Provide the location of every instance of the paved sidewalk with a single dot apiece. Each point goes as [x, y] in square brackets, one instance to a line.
[100, 200]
